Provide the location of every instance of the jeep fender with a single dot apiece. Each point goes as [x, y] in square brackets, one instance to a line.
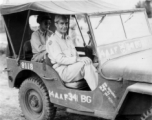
[142, 92]
[21, 76]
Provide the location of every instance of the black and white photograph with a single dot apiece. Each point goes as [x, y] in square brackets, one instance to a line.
[75, 59]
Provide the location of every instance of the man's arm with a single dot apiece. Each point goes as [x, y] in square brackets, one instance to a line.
[55, 51]
[35, 42]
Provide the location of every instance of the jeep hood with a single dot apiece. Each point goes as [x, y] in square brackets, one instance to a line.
[135, 67]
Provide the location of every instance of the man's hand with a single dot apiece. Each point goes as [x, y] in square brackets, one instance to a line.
[85, 60]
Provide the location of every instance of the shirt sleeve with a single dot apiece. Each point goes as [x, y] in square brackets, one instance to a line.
[55, 51]
[36, 43]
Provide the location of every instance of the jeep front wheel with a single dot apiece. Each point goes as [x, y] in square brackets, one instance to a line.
[34, 100]
[147, 115]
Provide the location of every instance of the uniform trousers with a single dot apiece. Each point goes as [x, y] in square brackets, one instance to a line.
[77, 71]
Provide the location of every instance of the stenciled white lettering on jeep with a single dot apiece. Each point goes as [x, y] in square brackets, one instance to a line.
[71, 97]
[26, 65]
[106, 90]
[120, 48]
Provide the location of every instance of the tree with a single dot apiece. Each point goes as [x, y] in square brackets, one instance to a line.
[147, 5]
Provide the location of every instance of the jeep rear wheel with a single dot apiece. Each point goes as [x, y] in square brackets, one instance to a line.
[147, 115]
[34, 100]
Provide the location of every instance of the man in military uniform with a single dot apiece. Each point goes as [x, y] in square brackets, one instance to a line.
[39, 38]
[64, 58]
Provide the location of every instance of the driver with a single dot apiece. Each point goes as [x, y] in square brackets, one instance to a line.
[64, 58]
[39, 38]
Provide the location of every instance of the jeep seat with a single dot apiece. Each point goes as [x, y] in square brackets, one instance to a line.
[27, 50]
[87, 51]
[48, 61]
[81, 84]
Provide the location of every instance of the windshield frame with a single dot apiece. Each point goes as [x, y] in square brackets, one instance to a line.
[114, 13]
[92, 34]
[100, 49]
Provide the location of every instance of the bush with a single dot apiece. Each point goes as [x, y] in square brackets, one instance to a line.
[3, 48]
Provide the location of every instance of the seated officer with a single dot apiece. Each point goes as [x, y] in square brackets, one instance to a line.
[39, 38]
[63, 55]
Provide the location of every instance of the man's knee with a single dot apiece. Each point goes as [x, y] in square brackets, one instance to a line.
[77, 65]
[90, 67]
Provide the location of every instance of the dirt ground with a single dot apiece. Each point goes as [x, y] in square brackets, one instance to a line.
[9, 107]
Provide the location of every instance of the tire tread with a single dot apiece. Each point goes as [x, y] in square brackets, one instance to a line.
[49, 107]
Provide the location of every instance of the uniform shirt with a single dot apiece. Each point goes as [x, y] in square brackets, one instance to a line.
[61, 51]
[38, 40]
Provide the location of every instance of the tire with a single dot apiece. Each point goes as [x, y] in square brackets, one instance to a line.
[34, 100]
[147, 115]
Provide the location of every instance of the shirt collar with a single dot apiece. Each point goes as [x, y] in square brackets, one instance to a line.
[58, 34]
[41, 32]
[61, 35]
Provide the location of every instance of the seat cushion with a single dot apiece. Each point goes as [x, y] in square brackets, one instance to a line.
[81, 84]
[27, 49]
[48, 61]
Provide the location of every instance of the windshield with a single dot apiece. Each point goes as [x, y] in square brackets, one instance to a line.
[74, 31]
[119, 27]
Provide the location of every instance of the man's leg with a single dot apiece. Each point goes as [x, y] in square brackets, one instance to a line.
[91, 76]
[78, 71]
[71, 72]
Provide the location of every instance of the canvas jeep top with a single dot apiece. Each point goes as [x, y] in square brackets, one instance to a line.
[119, 44]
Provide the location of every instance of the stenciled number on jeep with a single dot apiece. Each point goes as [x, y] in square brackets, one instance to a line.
[26, 65]
[108, 92]
[70, 97]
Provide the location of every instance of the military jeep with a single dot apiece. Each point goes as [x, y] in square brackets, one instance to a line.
[119, 42]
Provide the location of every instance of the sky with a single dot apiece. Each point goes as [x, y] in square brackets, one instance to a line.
[122, 3]
[1, 1]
